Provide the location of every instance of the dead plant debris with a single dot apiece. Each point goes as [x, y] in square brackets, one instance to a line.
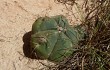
[94, 51]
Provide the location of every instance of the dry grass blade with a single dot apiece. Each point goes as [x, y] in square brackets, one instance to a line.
[70, 2]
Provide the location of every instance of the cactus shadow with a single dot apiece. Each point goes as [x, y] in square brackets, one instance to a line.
[26, 46]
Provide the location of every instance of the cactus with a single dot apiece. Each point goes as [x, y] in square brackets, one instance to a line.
[53, 38]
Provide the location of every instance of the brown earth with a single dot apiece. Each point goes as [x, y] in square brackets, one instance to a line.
[16, 19]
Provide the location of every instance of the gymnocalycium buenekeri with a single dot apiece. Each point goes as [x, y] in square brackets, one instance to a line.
[53, 38]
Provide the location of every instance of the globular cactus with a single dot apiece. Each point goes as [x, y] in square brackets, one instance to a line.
[53, 38]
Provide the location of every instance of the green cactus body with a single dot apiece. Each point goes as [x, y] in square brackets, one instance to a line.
[53, 38]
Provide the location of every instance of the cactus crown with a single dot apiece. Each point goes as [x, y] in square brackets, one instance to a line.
[53, 38]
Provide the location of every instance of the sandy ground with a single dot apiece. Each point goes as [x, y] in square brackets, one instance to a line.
[16, 19]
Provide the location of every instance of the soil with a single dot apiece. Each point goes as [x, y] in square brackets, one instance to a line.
[16, 19]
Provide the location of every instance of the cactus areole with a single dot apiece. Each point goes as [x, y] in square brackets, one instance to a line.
[53, 39]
